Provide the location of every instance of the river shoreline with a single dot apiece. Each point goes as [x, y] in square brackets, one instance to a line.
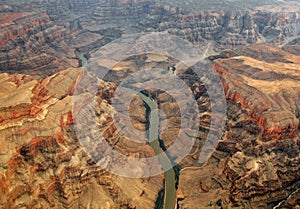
[170, 200]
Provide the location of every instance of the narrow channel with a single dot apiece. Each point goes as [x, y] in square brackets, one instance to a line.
[82, 58]
[170, 176]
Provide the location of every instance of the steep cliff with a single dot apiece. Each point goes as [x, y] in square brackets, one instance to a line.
[256, 162]
[43, 37]
[43, 164]
[32, 43]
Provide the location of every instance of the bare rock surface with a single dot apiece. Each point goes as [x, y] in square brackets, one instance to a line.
[44, 37]
[42, 163]
[256, 162]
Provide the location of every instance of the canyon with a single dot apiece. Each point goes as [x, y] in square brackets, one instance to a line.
[49, 48]
[255, 164]
[261, 136]
[44, 37]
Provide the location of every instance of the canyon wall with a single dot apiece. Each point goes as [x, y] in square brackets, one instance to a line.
[43, 165]
[255, 164]
[43, 37]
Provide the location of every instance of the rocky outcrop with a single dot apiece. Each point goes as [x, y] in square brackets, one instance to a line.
[259, 67]
[255, 164]
[29, 21]
[42, 161]
[32, 43]
[235, 29]
[43, 37]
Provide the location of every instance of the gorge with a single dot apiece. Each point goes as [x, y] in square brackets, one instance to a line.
[48, 47]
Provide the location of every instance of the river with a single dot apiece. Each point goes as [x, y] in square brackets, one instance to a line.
[170, 176]
[84, 61]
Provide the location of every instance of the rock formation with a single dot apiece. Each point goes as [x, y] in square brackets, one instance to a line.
[42, 163]
[43, 37]
[256, 162]
[32, 43]
[235, 29]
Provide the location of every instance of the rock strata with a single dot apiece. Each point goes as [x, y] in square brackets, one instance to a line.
[32, 43]
[255, 164]
[44, 37]
[42, 163]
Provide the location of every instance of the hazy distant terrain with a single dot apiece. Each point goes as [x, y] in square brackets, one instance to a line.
[189, 4]
[61, 65]
[64, 29]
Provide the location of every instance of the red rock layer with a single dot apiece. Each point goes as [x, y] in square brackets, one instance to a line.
[256, 163]
[10, 24]
[42, 163]
[256, 87]
[32, 43]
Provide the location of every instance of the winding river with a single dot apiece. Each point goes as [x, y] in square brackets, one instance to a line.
[170, 176]
[170, 179]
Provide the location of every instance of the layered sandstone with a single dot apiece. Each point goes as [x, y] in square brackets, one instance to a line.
[256, 162]
[43, 37]
[235, 29]
[43, 165]
[266, 71]
[43, 162]
[32, 43]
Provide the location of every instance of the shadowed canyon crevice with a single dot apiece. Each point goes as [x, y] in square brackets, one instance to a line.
[48, 47]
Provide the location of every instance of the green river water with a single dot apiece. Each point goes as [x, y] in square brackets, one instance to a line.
[170, 177]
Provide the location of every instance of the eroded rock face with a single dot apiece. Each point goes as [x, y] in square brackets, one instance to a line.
[255, 165]
[44, 37]
[274, 73]
[256, 162]
[43, 164]
[235, 29]
[32, 43]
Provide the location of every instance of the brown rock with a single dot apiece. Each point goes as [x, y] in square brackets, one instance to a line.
[3, 147]
[42, 162]
[255, 163]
